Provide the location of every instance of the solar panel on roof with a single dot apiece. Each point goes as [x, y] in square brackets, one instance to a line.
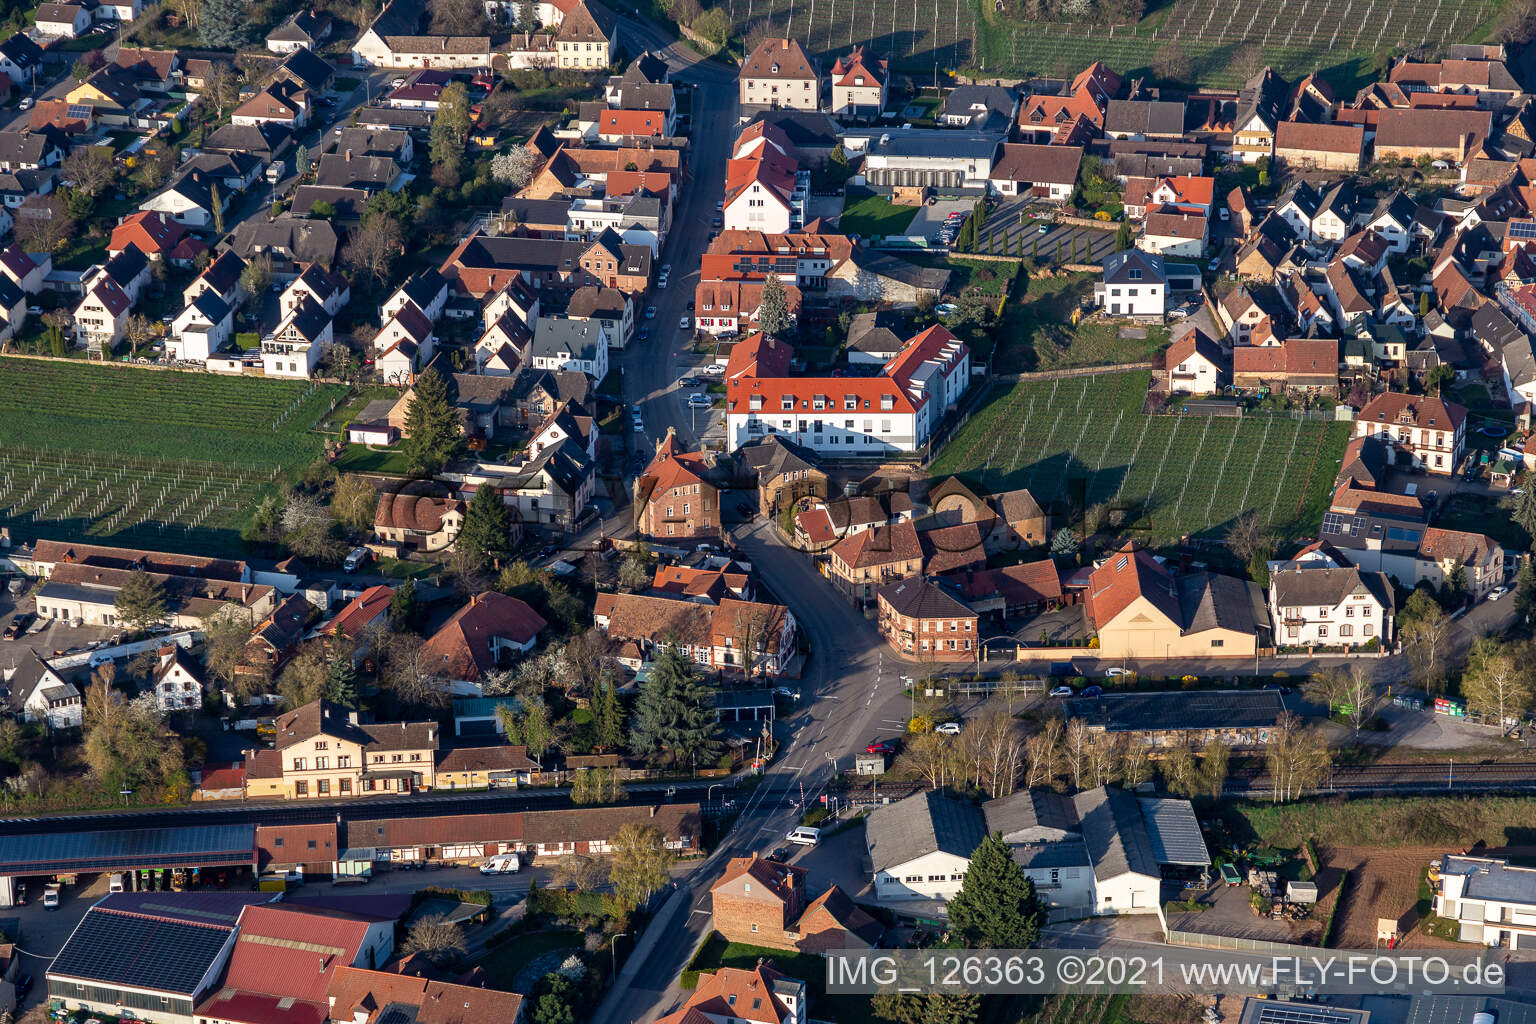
[1281, 1013]
[142, 952]
[81, 111]
[1522, 229]
[201, 845]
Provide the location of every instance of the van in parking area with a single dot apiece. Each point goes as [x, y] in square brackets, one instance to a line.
[505, 864]
[804, 836]
[115, 882]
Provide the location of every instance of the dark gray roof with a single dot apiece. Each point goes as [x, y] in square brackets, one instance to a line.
[304, 241]
[553, 336]
[774, 456]
[1030, 809]
[983, 104]
[1119, 266]
[1314, 587]
[931, 142]
[807, 129]
[264, 140]
[1115, 832]
[1491, 327]
[390, 142]
[391, 117]
[303, 66]
[48, 853]
[31, 673]
[922, 824]
[1272, 1011]
[1209, 601]
[1174, 832]
[1178, 709]
[919, 599]
[153, 953]
[1490, 879]
[1144, 117]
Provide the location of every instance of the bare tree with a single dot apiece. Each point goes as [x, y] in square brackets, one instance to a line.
[931, 756]
[579, 871]
[43, 223]
[91, 169]
[1348, 692]
[220, 87]
[1247, 536]
[1425, 630]
[1497, 683]
[375, 244]
[438, 938]
[1105, 751]
[1075, 751]
[1135, 763]
[1297, 758]
[1178, 769]
[411, 675]
[1213, 768]
[1042, 754]
[458, 17]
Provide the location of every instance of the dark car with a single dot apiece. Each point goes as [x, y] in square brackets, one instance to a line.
[1091, 691]
[19, 623]
[880, 747]
[780, 855]
[690, 382]
[744, 508]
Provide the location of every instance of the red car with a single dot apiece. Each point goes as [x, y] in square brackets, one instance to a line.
[880, 747]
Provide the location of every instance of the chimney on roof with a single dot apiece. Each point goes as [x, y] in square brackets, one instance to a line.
[654, 809]
[349, 156]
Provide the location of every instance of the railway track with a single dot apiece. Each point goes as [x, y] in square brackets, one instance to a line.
[1418, 777]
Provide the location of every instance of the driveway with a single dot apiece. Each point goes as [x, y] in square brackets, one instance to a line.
[930, 218]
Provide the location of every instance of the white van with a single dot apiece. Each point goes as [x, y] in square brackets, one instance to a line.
[504, 864]
[115, 882]
[804, 836]
[355, 559]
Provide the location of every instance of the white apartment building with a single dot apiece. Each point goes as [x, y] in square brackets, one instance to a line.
[1325, 606]
[1491, 901]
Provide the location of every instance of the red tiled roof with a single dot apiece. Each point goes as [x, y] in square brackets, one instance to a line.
[154, 233]
[1420, 411]
[434, 1002]
[1126, 575]
[461, 648]
[285, 951]
[759, 355]
[880, 545]
[868, 392]
[649, 123]
[362, 610]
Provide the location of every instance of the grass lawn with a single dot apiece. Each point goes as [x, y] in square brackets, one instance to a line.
[1085, 441]
[404, 569]
[868, 214]
[811, 969]
[503, 962]
[1036, 332]
[359, 458]
[990, 277]
[346, 411]
[1482, 515]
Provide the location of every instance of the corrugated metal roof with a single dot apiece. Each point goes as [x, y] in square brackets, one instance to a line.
[1175, 833]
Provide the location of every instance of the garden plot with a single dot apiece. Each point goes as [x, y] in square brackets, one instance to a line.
[1087, 440]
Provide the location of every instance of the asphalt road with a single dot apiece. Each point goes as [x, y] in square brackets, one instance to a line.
[651, 368]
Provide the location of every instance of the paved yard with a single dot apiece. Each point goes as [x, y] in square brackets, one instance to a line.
[930, 218]
[1230, 913]
[1069, 623]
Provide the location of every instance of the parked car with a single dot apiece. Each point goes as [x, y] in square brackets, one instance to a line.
[1114, 673]
[713, 369]
[1044, 229]
[356, 559]
[1092, 691]
[505, 864]
[699, 400]
[684, 323]
[880, 747]
[25, 104]
[650, 312]
[51, 896]
[19, 623]
[804, 836]
[1497, 592]
[786, 693]
[744, 508]
[690, 382]
[1061, 691]
[947, 728]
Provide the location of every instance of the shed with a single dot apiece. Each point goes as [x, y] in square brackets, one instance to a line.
[1301, 892]
[869, 764]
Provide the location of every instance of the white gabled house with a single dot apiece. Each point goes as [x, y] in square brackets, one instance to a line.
[39, 694]
[562, 344]
[1135, 284]
[222, 277]
[405, 344]
[201, 329]
[299, 343]
[101, 318]
[325, 289]
[1330, 606]
[178, 683]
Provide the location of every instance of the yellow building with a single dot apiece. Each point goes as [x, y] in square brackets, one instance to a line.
[321, 750]
[484, 767]
[1142, 612]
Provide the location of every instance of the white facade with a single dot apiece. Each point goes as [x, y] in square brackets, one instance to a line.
[196, 337]
[1170, 245]
[1127, 893]
[1357, 618]
[176, 688]
[1195, 375]
[371, 50]
[1492, 901]
[936, 875]
[1148, 298]
[759, 208]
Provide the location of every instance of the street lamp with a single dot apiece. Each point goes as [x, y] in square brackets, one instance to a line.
[711, 789]
[613, 949]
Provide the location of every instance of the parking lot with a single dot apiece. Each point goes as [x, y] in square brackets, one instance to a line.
[54, 637]
[930, 219]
